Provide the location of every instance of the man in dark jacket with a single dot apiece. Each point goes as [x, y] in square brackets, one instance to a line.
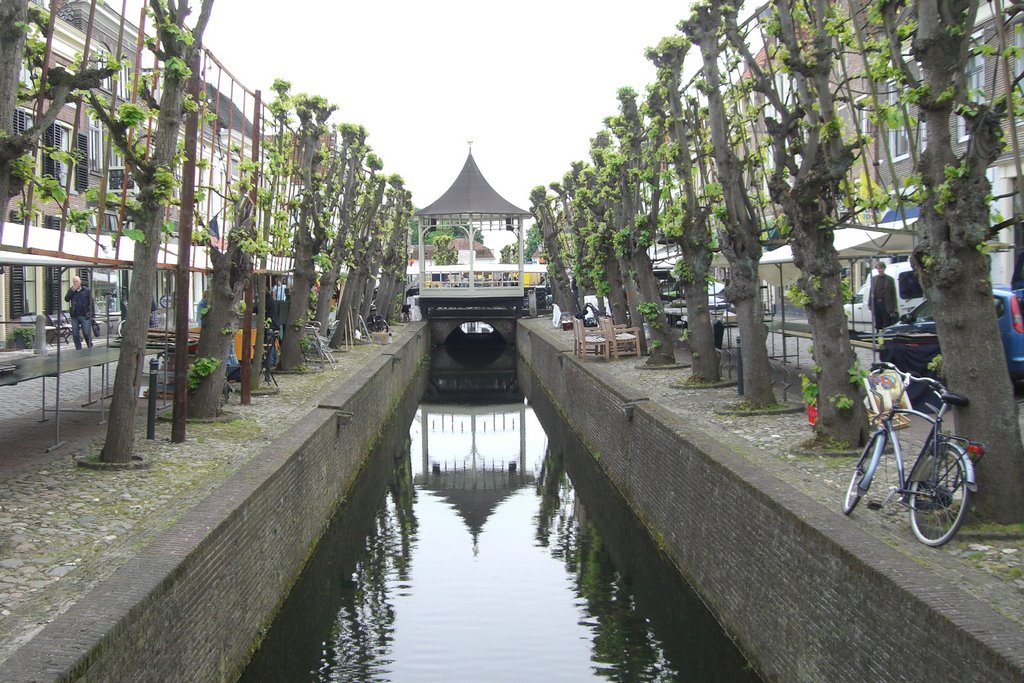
[882, 299]
[81, 311]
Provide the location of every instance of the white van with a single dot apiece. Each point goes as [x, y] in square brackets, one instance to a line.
[908, 294]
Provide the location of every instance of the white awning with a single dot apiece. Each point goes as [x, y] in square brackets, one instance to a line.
[777, 266]
[19, 258]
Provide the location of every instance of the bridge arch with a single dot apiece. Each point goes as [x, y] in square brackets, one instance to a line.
[449, 329]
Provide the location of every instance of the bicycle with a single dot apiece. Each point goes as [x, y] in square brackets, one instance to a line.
[941, 481]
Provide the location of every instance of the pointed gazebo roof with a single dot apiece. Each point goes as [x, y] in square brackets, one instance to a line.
[471, 194]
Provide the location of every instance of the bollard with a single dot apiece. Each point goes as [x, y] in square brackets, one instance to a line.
[154, 365]
[40, 342]
[739, 367]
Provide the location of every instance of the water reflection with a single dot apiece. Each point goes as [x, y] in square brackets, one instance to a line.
[469, 552]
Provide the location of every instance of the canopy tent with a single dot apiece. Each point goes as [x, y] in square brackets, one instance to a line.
[16, 256]
[777, 266]
[84, 248]
[21, 258]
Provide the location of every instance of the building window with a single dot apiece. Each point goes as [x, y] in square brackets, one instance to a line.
[124, 87]
[95, 145]
[974, 81]
[25, 75]
[58, 139]
[899, 143]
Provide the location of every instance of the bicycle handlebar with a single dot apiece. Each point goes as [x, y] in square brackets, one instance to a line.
[935, 385]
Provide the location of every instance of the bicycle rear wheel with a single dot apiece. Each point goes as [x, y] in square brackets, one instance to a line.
[938, 495]
[854, 493]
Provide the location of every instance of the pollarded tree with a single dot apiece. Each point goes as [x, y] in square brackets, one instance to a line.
[740, 234]
[686, 216]
[810, 160]
[637, 213]
[542, 208]
[370, 250]
[354, 152]
[573, 236]
[22, 25]
[954, 224]
[395, 219]
[313, 211]
[594, 200]
[152, 158]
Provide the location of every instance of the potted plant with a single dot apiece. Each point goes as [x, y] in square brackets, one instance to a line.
[23, 337]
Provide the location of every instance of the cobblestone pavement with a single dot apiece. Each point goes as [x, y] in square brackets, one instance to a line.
[63, 529]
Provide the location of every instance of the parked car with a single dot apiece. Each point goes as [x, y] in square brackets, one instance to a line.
[908, 295]
[675, 309]
[919, 325]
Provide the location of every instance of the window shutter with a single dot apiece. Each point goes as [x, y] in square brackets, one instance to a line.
[83, 274]
[53, 293]
[51, 222]
[82, 163]
[22, 121]
[51, 138]
[16, 296]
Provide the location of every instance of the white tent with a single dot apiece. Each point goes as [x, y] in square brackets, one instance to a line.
[777, 266]
[19, 258]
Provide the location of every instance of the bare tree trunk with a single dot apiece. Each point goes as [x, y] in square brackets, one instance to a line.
[661, 349]
[953, 268]
[298, 310]
[348, 309]
[560, 288]
[328, 284]
[219, 325]
[149, 218]
[617, 292]
[706, 366]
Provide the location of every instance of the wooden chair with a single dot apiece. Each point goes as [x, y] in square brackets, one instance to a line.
[588, 342]
[625, 341]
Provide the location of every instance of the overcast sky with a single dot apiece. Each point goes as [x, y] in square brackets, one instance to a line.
[529, 82]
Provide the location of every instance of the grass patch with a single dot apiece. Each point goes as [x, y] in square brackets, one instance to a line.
[745, 406]
[825, 444]
[989, 528]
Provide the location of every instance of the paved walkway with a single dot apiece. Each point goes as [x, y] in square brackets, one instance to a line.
[63, 529]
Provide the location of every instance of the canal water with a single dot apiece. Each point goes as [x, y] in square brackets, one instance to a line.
[482, 544]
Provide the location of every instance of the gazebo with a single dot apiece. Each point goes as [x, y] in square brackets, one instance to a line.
[471, 205]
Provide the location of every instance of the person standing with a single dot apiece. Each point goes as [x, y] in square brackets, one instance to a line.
[203, 307]
[81, 312]
[882, 300]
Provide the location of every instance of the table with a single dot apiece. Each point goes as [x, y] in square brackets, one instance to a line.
[41, 367]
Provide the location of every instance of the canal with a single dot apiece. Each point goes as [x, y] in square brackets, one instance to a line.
[482, 544]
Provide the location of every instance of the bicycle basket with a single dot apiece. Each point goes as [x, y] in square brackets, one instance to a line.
[886, 391]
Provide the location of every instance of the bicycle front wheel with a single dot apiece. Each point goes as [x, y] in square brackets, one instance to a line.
[854, 492]
[938, 495]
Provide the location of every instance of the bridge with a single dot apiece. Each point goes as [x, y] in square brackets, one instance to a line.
[460, 280]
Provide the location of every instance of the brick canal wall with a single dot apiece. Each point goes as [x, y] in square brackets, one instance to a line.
[806, 594]
[192, 605]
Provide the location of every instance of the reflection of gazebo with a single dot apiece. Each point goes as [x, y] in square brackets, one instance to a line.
[471, 483]
[471, 205]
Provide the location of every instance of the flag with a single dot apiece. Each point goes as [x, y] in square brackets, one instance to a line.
[215, 239]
